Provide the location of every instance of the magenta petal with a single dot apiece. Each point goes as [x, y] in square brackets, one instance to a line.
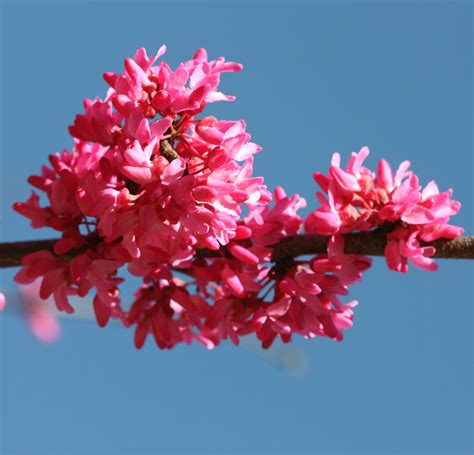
[159, 127]
[280, 308]
[344, 179]
[243, 254]
[418, 215]
[173, 171]
[322, 222]
[385, 176]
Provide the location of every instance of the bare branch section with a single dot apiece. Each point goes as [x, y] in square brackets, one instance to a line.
[365, 243]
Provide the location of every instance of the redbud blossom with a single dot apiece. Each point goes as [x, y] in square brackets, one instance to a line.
[152, 186]
[360, 200]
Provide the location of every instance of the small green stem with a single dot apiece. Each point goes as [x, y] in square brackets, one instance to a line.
[168, 151]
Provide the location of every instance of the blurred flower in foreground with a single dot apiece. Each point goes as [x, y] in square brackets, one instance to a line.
[39, 313]
[2, 301]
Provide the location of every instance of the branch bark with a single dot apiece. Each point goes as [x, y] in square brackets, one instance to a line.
[364, 243]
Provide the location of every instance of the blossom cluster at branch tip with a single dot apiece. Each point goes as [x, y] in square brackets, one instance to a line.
[151, 183]
[357, 199]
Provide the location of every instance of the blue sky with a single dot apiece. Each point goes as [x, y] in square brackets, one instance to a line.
[318, 77]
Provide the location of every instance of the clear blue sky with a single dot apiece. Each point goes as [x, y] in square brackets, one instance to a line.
[318, 77]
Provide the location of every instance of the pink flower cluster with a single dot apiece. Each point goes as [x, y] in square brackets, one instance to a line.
[150, 186]
[358, 199]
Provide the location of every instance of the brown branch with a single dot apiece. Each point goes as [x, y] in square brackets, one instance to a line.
[365, 243]
[368, 244]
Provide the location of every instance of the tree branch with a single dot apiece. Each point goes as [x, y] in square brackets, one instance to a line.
[368, 244]
[365, 243]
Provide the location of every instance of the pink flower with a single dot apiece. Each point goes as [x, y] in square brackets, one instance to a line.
[152, 186]
[403, 245]
[159, 89]
[54, 277]
[306, 303]
[326, 220]
[99, 123]
[229, 136]
[39, 314]
[357, 199]
[162, 310]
